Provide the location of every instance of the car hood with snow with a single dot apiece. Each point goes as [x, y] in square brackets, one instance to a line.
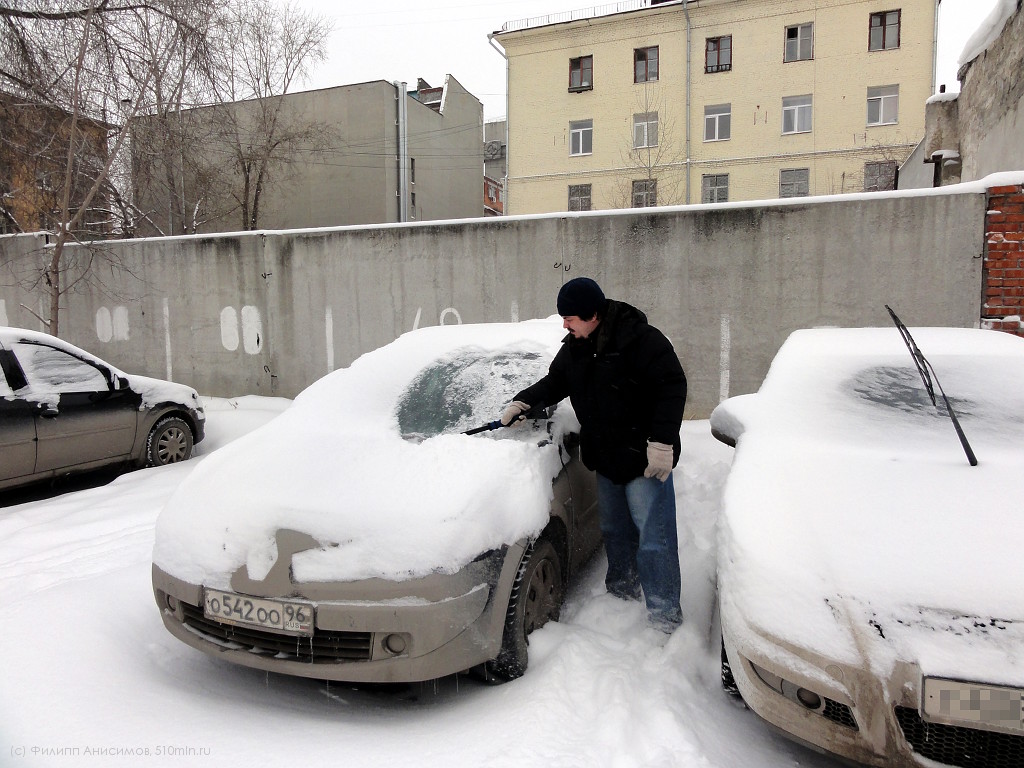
[862, 528]
[371, 463]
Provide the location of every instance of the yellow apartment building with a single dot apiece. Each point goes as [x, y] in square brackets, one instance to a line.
[662, 103]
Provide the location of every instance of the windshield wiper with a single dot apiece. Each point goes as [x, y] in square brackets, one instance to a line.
[927, 376]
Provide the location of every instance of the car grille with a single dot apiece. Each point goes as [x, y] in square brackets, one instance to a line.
[324, 647]
[839, 713]
[963, 747]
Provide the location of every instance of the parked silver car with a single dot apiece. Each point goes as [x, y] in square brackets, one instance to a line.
[869, 562]
[64, 410]
[360, 536]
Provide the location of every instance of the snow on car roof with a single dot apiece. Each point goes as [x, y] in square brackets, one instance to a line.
[153, 391]
[335, 465]
[851, 509]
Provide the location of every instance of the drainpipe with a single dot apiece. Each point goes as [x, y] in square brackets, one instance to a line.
[686, 13]
[935, 48]
[402, 123]
[504, 182]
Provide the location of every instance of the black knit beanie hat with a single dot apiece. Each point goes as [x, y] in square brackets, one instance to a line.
[581, 297]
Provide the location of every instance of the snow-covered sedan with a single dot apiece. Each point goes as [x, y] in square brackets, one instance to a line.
[63, 410]
[362, 536]
[870, 570]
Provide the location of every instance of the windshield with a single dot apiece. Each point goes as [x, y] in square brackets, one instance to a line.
[466, 389]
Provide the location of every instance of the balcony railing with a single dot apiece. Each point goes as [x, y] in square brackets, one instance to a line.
[583, 13]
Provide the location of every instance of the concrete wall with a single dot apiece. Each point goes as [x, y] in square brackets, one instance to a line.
[268, 313]
[982, 127]
[991, 105]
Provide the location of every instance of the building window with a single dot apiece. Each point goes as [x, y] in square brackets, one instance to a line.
[581, 73]
[645, 65]
[796, 114]
[717, 122]
[884, 31]
[883, 105]
[714, 188]
[718, 54]
[579, 197]
[581, 137]
[645, 193]
[795, 182]
[645, 130]
[799, 42]
[880, 176]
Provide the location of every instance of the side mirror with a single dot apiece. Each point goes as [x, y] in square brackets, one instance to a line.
[120, 382]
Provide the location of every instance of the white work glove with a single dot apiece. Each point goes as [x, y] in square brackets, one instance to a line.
[659, 461]
[514, 413]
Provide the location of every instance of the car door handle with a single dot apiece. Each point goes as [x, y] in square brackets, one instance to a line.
[48, 411]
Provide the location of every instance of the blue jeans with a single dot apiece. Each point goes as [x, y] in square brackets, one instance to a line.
[638, 521]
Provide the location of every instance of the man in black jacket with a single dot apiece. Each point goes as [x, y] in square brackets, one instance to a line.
[628, 390]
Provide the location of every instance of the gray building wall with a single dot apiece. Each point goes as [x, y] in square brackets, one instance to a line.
[355, 180]
[270, 312]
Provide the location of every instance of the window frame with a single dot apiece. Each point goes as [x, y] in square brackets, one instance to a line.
[585, 130]
[648, 193]
[805, 106]
[885, 96]
[884, 27]
[576, 65]
[719, 67]
[800, 54]
[717, 118]
[806, 181]
[890, 168]
[580, 196]
[645, 120]
[710, 182]
[646, 52]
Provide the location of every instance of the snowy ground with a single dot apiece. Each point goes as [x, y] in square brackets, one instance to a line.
[91, 677]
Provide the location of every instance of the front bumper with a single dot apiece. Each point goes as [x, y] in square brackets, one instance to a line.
[372, 631]
[850, 712]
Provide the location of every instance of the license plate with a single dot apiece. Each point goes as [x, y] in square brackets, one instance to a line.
[988, 707]
[283, 616]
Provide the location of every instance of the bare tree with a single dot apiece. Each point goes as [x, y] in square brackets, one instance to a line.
[218, 141]
[266, 49]
[651, 159]
[93, 64]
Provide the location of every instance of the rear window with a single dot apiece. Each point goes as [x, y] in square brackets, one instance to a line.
[466, 389]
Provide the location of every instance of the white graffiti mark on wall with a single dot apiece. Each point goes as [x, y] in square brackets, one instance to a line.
[3, 313]
[514, 313]
[329, 330]
[725, 352]
[450, 311]
[249, 330]
[112, 326]
[252, 330]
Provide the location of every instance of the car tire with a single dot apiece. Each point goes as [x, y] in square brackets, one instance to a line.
[728, 680]
[536, 598]
[169, 441]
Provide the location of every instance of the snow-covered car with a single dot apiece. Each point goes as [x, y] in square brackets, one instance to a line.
[869, 576]
[63, 410]
[362, 536]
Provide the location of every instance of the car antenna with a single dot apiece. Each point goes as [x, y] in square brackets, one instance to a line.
[927, 375]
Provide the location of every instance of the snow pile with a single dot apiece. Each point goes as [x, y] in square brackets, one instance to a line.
[988, 31]
[335, 466]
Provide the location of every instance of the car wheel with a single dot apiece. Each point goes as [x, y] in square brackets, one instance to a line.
[536, 599]
[728, 681]
[169, 441]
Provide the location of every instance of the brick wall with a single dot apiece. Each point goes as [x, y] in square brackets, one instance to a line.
[1003, 272]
